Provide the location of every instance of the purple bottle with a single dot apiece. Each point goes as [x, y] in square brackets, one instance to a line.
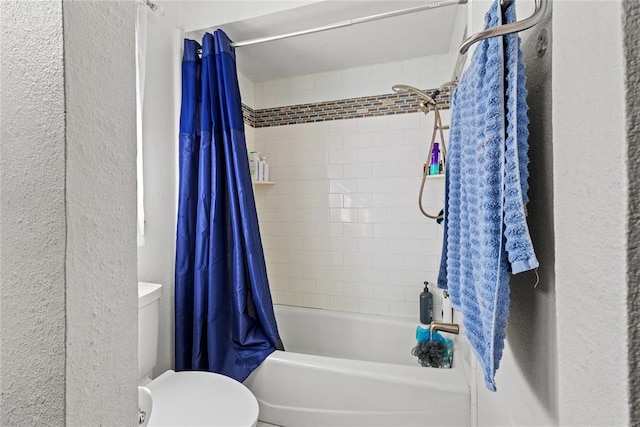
[435, 159]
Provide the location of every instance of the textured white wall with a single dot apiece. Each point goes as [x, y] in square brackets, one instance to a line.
[32, 215]
[101, 204]
[631, 13]
[590, 200]
[68, 342]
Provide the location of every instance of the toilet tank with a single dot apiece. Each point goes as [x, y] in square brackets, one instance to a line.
[148, 318]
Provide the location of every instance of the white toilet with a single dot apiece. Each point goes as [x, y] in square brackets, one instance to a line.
[186, 398]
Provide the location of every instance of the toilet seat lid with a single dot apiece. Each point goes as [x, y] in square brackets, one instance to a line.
[201, 399]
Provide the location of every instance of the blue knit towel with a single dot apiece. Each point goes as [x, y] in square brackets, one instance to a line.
[486, 233]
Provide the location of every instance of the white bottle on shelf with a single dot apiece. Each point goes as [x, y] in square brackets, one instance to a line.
[265, 170]
[261, 170]
[447, 309]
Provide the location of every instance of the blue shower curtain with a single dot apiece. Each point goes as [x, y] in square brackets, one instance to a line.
[224, 320]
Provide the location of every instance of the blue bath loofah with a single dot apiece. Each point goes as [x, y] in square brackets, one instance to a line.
[433, 350]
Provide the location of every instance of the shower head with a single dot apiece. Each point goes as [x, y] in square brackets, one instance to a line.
[410, 89]
[426, 100]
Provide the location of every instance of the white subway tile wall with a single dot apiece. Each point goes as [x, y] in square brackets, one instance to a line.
[341, 227]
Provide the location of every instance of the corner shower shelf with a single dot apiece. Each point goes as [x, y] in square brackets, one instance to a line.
[441, 175]
[264, 182]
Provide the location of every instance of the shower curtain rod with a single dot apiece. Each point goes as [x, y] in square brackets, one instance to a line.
[433, 5]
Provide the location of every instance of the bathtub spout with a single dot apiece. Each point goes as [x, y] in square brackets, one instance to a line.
[452, 328]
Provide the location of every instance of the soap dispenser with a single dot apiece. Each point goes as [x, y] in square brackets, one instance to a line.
[426, 305]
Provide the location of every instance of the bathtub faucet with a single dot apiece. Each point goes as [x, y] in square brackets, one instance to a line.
[452, 328]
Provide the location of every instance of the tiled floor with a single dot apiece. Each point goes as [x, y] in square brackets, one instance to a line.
[263, 424]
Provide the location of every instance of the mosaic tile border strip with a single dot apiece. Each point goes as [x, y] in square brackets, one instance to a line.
[249, 115]
[350, 108]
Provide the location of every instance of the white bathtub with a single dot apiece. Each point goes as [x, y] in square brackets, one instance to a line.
[345, 369]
